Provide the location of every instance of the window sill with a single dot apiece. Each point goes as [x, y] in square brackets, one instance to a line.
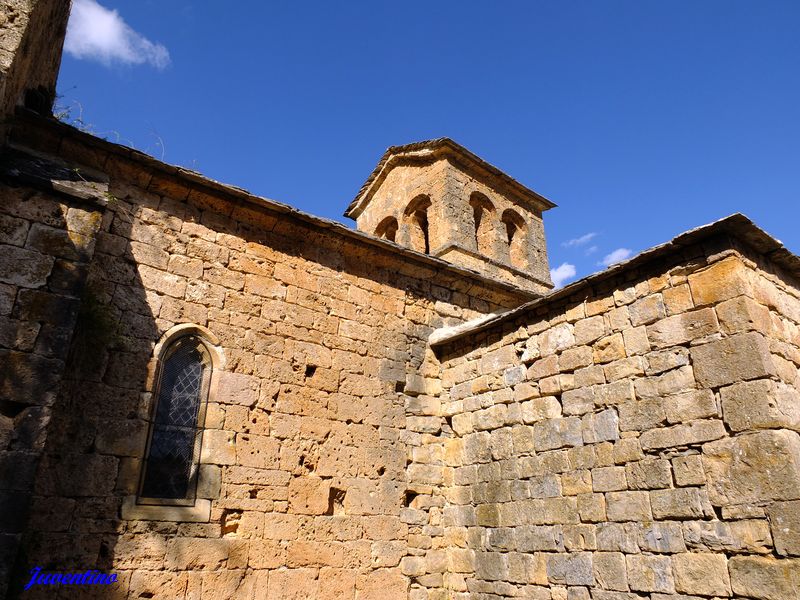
[199, 513]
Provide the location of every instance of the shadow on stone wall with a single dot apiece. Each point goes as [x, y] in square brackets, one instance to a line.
[72, 514]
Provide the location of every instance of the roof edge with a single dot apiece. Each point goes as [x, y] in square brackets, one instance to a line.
[737, 225]
[195, 180]
[427, 148]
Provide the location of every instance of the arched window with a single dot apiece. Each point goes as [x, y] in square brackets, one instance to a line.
[173, 450]
[516, 235]
[387, 229]
[483, 214]
[416, 217]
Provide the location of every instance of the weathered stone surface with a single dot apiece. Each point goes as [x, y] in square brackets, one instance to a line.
[703, 574]
[765, 578]
[743, 314]
[309, 495]
[688, 470]
[761, 404]
[682, 328]
[664, 537]
[733, 359]
[671, 382]
[588, 330]
[648, 474]
[650, 573]
[686, 434]
[665, 360]
[25, 268]
[752, 536]
[690, 405]
[557, 433]
[609, 348]
[647, 310]
[753, 468]
[628, 506]
[722, 280]
[784, 520]
[600, 427]
[556, 339]
[610, 571]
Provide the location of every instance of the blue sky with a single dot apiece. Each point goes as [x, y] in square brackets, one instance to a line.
[640, 119]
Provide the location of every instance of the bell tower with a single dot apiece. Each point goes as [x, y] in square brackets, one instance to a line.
[439, 198]
[33, 37]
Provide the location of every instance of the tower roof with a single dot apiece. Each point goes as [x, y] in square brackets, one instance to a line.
[431, 150]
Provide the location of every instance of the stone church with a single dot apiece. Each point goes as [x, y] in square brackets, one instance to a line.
[212, 395]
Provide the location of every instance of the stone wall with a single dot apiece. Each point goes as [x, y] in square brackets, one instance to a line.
[47, 240]
[638, 440]
[315, 417]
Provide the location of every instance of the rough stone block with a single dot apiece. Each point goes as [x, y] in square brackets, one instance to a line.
[660, 537]
[632, 366]
[237, 388]
[600, 427]
[218, 447]
[743, 314]
[765, 578]
[686, 434]
[539, 538]
[761, 404]
[636, 341]
[609, 479]
[680, 503]
[688, 470]
[641, 415]
[588, 330]
[721, 281]
[690, 405]
[629, 506]
[609, 348]
[753, 468]
[650, 573]
[648, 474]
[666, 360]
[578, 401]
[575, 358]
[550, 434]
[610, 571]
[309, 495]
[730, 360]
[556, 339]
[671, 382]
[682, 328]
[677, 299]
[703, 574]
[196, 553]
[614, 393]
[746, 536]
[122, 438]
[784, 520]
[647, 310]
[591, 508]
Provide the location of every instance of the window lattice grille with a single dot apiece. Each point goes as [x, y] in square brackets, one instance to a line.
[172, 456]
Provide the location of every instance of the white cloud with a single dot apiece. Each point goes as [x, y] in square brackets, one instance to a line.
[616, 256]
[579, 241]
[561, 273]
[591, 250]
[98, 33]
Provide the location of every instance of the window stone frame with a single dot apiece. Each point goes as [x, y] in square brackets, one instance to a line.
[208, 475]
